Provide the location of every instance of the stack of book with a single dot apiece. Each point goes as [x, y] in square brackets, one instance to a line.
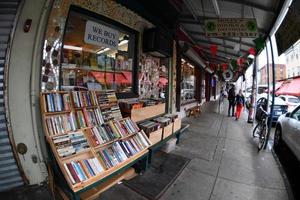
[93, 116]
[149, 126]
[126, 127]
[69, 144]
[119, 151]
[171, 116]
[82, 170]
[103, 134]
[164, 121]
[84, 99]
[60, 124]
[111, 113]
[56, 102]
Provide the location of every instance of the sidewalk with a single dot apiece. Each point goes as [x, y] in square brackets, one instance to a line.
[224, 163]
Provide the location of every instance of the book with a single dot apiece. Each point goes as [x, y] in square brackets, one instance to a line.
[69, 144]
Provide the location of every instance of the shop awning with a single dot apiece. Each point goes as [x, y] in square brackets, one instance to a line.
[108, 77]
[277, 86]
[290, 88]
[128, 76]
[163, 81]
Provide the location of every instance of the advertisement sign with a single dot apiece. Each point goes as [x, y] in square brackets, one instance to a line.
[100, 35]
[231, 27]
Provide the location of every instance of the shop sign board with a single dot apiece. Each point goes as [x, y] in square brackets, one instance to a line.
[100, 35]
[231, 27]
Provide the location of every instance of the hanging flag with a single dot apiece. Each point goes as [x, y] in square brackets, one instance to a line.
[259, 43]
[224, 66]
[233, 64]
[213, 49]
[239, 61]
[252, 51]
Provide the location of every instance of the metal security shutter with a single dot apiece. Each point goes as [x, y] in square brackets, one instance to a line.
[9, 173]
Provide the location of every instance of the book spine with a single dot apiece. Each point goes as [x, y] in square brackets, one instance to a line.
[69, 173]
[73, 172]
[91, 171]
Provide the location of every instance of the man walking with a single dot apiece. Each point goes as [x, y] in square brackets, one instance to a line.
[231, 99]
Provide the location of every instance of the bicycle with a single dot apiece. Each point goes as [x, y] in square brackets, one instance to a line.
[260, 129]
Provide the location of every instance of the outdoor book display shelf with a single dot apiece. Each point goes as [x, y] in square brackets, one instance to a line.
[89, 138]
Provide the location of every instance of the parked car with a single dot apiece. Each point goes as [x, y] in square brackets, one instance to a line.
[291, 101]
[280, 107]
[288, 132]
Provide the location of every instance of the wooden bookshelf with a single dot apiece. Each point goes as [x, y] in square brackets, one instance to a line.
[90, 150]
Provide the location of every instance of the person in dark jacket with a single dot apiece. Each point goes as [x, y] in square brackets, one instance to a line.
[231, 99]
[240, 103]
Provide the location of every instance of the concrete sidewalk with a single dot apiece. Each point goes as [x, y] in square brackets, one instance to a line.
[225, 164]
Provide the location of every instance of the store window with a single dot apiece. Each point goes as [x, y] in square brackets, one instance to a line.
[188, 79]
[97, 54]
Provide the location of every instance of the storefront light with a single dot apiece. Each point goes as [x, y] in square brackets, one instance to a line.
[103, 51]
[73, 47]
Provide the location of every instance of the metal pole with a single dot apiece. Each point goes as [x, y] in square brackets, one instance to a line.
[253, 93]
[268, 75]
[273, 93]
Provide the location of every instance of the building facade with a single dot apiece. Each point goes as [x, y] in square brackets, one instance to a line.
[280, 73]
[292, 58]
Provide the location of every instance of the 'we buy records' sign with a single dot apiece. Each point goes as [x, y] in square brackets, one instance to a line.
[100, 35]
[231, 27]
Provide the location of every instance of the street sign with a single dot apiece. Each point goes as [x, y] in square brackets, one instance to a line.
[231, 27]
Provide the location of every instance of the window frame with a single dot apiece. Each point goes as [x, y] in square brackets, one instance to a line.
[115, 24]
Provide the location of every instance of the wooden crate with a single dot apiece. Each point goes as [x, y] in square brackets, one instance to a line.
[155, 136]
[143, 113]
[177, 125]
[168, 130]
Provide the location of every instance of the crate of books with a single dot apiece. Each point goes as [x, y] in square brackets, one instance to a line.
[147, 112]
[153, 130]
[177, 125]
[166, 124]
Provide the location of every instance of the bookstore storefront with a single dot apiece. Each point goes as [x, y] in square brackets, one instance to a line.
[103, 101]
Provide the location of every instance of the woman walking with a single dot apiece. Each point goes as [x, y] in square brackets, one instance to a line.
[239, 102]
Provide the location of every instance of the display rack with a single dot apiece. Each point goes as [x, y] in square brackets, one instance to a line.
[85, 156]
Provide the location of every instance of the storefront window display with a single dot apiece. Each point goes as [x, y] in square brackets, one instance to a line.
[153, 77]
[96, 55]
[188, 79]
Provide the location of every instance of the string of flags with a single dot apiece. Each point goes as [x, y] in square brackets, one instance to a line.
[237, 65]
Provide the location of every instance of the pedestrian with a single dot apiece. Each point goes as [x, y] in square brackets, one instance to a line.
[240, 103]
[231, 100]
[223, 95]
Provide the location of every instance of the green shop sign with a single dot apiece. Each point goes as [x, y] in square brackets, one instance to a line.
[231, 27]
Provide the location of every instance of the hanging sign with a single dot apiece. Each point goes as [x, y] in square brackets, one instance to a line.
[100, 35]
[231, 27]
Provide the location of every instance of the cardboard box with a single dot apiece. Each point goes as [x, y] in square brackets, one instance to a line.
[167, 130]
[177, 125]
[156, 136]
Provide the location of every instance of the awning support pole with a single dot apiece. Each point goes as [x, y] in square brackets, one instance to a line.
[253, 93]
[273, 94]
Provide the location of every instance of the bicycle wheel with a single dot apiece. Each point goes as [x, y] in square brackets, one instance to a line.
[262, 137]
[256, 131]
